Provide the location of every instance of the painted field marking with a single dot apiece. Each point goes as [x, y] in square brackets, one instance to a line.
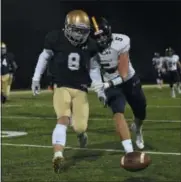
[10, 134]
[51, 106]
[93, 119]
[88, 149]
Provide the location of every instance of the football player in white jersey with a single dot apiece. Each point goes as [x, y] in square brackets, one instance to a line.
[157, 62]
[172, 62]
[119, 82]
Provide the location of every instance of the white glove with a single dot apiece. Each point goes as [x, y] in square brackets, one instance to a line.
[35, 87]
[102, 98]
[97, 86]
[100, 86]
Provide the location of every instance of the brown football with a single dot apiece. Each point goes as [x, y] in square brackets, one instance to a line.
[135, 161]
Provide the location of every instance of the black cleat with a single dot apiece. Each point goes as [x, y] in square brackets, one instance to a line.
[58, 164]
[83, 140]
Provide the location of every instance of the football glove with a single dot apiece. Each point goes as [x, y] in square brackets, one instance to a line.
[35, 87]
[102, 98]
[100, 86]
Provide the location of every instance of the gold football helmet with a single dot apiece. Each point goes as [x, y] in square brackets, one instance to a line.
[77, 27]
[3, 48]
[3, 45]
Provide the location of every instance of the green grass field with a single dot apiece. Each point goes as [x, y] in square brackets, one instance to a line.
[28, 158]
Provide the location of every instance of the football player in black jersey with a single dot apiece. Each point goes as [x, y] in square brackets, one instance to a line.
[8, 68]
[69, 51]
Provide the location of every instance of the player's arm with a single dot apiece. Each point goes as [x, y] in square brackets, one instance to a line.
[97, 83]
[179, 64]
[15, 66]
[123, 64]
[45, 55]
[154, 63]
[95, 73]
[42, 63]
[13, 63]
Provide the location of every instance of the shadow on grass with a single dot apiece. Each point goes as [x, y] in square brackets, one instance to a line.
[79, 156]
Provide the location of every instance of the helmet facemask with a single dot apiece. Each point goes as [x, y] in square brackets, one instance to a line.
[103, 39]
[169, 52]
[77, 34]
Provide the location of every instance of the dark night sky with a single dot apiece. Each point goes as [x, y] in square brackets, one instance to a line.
[152, 26]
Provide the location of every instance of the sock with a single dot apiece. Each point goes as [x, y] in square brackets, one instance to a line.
[127, 145]
[59, 135]
[58, 154]
[158, 81]
[138, 123]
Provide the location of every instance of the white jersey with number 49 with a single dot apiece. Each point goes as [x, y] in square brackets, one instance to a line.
[109, 57]
[171, 62]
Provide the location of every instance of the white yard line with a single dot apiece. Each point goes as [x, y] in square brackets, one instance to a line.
[89, 149]
[94, 119]
[48, 91]
[44, 105]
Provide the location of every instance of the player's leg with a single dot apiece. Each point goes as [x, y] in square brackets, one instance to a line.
[161, 79]
[163, 75]
[9, 84]
[179, 72]
[4, 81]
[137, 101]
[80, 115]
[177, 80]
[158, 79]
[171, 84]
[116, 101]
[62, 104]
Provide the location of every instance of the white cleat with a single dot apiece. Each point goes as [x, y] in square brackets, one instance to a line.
[139, 136]
[173, 94]
[179, 91]
[139, 141]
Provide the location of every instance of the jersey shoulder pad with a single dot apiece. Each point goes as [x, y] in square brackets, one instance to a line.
[120, 42]
[176, 57]
[161, 58]
[51, 38]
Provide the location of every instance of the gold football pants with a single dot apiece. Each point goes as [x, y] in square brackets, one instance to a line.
[6, 82]
[72, 102]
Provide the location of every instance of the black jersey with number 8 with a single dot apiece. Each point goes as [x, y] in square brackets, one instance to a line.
[69, 65]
